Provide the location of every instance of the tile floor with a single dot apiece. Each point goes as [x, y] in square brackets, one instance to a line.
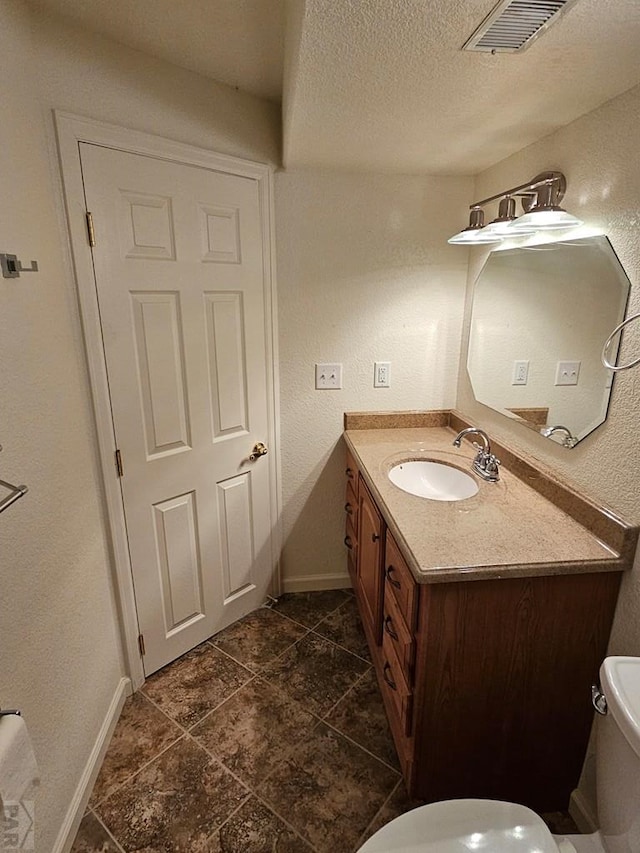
[270, 736]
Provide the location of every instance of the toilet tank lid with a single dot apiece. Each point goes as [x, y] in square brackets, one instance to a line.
[620, 680]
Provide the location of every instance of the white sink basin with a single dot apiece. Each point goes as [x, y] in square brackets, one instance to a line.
[433, 480]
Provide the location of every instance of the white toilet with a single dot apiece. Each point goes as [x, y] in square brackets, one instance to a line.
[490, 826]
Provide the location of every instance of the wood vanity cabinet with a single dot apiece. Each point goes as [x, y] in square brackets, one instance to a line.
[486, 683]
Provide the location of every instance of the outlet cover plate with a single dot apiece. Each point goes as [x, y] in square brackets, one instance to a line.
[382, 374]
[328, 377]
[520, 373]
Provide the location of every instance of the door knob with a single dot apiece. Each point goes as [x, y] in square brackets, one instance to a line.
[259, 450]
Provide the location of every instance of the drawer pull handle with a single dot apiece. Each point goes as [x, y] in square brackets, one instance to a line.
[391, 580]
[389, 681]
[348, 508]
[349, 473]
[348, 542]
[375, 537]
[387, 627]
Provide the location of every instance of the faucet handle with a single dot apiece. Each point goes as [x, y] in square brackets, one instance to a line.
[482, 456]
[491, 466]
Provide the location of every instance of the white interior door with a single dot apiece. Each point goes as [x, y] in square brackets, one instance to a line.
[179, 274]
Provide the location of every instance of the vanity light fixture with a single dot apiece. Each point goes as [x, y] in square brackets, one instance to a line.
[540, 199]
[502, 224]
[475, 232]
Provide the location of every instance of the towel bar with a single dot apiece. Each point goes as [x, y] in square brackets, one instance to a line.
[15, 493]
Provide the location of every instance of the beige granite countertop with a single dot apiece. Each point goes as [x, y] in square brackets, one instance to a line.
[507, 529]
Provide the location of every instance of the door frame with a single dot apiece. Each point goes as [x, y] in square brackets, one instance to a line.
[71, 130]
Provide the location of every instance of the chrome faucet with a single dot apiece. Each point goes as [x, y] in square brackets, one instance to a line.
[485, 463]
[569, 440]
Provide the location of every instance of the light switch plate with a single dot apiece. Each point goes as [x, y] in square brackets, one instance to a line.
[567, 372]
[328, 377]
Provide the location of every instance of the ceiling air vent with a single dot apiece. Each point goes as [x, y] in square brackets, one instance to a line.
[514, 24]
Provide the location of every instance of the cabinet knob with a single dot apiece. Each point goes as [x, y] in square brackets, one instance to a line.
[389, 571]
[349, 473]
[348, 542]
[375, 537]
[348, 508]
[387, 668]
[389, 629]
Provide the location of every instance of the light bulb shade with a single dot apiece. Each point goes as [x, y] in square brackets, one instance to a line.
[544, 219]
[475, 232]
[474, 237]
[506, 229]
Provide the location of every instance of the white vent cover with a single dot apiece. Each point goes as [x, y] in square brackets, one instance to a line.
[514, 24]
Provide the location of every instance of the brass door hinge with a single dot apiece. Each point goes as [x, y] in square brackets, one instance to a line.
[119, 467]
[91, 230]
[141, 645]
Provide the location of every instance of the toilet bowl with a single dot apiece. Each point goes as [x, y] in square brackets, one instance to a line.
[491, 826]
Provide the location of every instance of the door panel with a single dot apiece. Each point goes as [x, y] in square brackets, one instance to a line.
[179, 274]
[227, 364]
[236, 532]
[178, 560]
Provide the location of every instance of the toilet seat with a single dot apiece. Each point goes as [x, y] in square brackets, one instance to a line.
[464, 826]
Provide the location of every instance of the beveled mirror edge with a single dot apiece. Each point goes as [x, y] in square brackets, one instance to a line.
[557, 432]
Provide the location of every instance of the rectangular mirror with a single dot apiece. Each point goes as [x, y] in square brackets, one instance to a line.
[540, 316]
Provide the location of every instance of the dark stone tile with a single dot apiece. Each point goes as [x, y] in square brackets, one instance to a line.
[92, 837]
[330, 790]
[315, 672]
[344, 627]
[141, 733]
[361, 716]
[254, 730]
[398, 803]
[174, 804]
[193, 685]
[258, 638]
[255, 829]
[309, 608]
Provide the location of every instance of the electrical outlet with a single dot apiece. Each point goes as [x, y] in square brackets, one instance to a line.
[328, 377]
[381, 374]
[567, 372]
[520, 373]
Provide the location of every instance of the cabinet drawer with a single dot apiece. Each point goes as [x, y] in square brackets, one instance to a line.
[395, 686]
[399, 582]
[400, 637]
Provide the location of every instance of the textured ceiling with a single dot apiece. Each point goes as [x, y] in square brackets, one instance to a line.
[382, 85]
[239, 42]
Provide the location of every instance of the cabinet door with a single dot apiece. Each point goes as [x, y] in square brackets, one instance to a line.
[369, 572]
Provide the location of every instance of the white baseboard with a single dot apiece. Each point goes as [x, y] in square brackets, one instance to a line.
[582, 813]
[313, 583]
[76, 810]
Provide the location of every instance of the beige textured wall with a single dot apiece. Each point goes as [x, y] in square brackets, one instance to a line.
[60, 656]
[598, 154]
[59, 645]
[364, 274]
[93, 76]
